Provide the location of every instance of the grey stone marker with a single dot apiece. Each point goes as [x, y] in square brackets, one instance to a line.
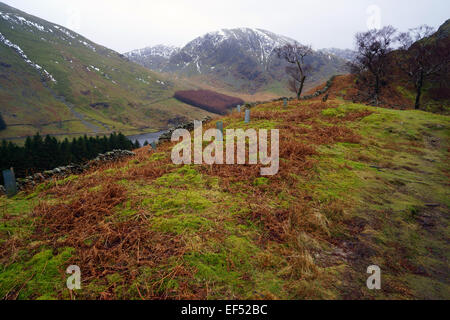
[219, 126]
[10, 183]
[247, 115]
[238, 108]
[153, 144]
[284, 102]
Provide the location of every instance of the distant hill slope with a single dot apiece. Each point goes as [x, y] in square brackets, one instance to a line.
[398, 91]
[240, 60]
[435, 92]
[54, 80]
[346, 54]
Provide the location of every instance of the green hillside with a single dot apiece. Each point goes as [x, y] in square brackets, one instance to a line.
[56, 81]
[357, 186]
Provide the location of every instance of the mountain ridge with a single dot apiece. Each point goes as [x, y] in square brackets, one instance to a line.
[152, 57]
[239, 59]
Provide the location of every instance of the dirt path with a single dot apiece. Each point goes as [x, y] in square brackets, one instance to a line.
[409, 242]
[89, 124]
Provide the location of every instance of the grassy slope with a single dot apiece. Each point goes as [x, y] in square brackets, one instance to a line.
[273, 90]
[427, 102]
[398, 94]
[136, 100]
[352, 191]
[270, 89]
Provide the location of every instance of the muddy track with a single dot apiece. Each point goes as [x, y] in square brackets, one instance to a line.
[89, 124]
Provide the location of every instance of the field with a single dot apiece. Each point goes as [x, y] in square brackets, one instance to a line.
[208, 100]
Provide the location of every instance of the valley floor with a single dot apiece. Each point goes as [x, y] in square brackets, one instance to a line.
[357, 186]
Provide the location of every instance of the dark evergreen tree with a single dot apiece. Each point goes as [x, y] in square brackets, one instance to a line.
[65, 156]
[4, 159]
[39, 154]
[123, 143]
[51, 152]
[2, 123]
[113, 141]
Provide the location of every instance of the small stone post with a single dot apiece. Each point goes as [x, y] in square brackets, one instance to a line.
[219, 126]
[10, 182]
[247, 115]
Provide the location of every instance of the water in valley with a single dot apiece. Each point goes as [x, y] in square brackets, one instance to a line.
[149, 137]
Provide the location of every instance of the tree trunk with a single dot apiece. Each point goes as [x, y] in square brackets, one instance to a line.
[302, 83]
[419, 85]
[377, 88]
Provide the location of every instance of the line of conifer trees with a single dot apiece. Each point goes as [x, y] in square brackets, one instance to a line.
[39, 154]
[2, 123]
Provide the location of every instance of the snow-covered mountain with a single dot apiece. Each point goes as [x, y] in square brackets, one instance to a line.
[242, 59]
[346, 54]
[255, 43]
[154, 58]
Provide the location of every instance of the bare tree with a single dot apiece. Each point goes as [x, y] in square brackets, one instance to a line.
[295, 54]
[373, 48]
[422, 57]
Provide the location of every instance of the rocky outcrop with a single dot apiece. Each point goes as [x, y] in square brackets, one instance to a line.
[99, 104]
[167, 136]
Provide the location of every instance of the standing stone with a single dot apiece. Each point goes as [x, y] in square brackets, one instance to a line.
[238, 108]
[247, 115]
[219, 126]
[284, 102]
[10, 182]
[153, 144]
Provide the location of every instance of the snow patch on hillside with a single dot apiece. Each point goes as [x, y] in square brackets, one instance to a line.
[142, 80]
[64, 31]
[88, 45]
[22, 21]
[21, 53]
[95, 68]
[159, 51]
[16, 19]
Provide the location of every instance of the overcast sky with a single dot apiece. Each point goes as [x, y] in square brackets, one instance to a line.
[124, 25]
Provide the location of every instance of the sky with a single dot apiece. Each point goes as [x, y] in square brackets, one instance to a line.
[124, 25]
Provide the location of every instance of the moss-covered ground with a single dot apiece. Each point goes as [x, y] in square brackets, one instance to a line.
[357, 186]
